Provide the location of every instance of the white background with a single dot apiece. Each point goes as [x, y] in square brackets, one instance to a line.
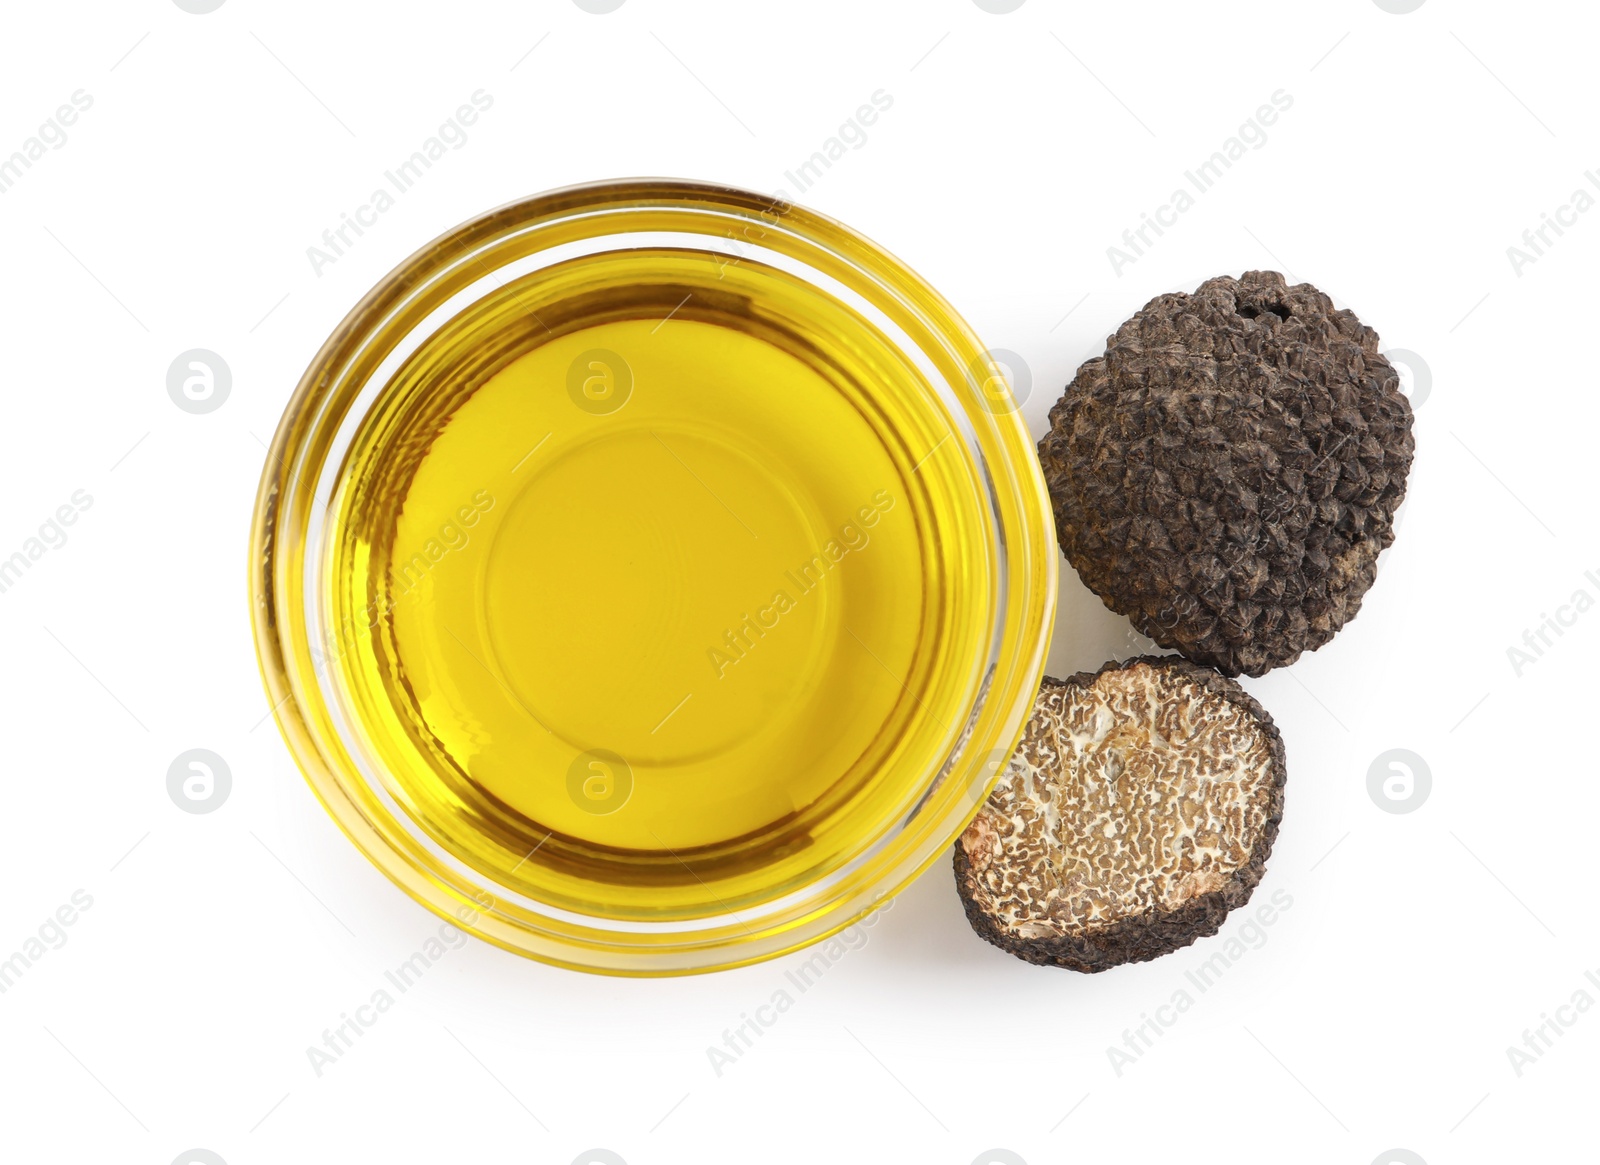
[1378, 1009]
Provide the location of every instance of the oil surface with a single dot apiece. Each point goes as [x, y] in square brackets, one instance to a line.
[655, 574]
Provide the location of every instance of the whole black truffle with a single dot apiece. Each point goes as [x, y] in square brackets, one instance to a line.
[1228, 472]
[1138, 810]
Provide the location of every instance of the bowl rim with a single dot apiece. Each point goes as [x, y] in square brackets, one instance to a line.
[1026, 576]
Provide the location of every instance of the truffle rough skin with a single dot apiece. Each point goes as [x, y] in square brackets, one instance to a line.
[1139, 809]
[1228, 472]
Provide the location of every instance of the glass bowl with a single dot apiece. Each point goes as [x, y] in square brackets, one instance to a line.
[441, 791]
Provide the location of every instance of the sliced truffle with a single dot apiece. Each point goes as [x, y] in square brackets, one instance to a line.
[1138, 810]
[1228, 472]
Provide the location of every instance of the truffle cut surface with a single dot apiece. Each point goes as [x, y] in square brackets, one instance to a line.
[1139, 808]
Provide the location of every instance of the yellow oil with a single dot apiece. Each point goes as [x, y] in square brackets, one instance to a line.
[657, 576]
